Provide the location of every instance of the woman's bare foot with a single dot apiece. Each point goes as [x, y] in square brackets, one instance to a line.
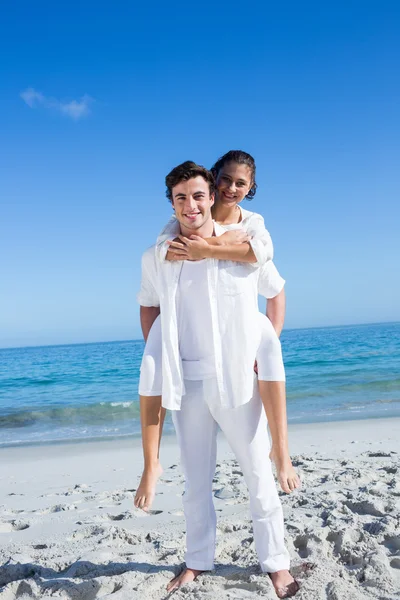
[287, 476]
[187, 576]
[285, 585]
[147, 487]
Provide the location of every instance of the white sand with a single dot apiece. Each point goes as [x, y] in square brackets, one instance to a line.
[68, 528]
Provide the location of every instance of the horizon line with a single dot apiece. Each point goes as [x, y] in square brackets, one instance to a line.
[142, 340]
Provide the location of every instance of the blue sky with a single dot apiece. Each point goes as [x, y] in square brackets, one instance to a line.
[98, 101]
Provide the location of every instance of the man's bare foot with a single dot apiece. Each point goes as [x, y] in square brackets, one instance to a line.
[147, 487]
[287, 476]
[285, 585]
[187, 576]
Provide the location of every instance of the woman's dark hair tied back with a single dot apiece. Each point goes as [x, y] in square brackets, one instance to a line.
[242, 158]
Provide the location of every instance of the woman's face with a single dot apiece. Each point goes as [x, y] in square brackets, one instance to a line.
[234, 181]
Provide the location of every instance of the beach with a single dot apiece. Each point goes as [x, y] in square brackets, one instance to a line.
[68, 527]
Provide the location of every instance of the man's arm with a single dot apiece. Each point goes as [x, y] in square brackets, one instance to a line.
[148, 314]
[276, 308]
[148, 296]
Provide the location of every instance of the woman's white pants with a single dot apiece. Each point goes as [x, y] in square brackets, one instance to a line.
[245, 429]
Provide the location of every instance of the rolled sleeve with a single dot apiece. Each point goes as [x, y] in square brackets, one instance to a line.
[270, 283]
[148, 294]
[262, 252]
[260, 241]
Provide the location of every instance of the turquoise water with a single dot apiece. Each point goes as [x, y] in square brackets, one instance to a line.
[88, 391]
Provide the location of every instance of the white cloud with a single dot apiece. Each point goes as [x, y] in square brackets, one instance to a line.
[76, 109]
[31, 97]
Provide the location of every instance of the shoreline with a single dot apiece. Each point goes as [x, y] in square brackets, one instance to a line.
[345, 430]
[169, 431]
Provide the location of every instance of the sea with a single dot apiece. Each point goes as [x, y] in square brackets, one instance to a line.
[84, 392]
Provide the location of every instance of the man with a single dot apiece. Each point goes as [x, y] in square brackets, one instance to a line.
[210, 337]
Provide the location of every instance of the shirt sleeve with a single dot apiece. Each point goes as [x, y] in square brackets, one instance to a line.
[270, 283]
[170, 231]
[148, 294]
[261, 241]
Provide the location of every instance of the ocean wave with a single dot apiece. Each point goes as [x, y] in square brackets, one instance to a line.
[90, 414]
[23, 382]
[323, 388]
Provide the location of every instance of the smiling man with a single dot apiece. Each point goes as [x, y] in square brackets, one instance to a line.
[210, 334]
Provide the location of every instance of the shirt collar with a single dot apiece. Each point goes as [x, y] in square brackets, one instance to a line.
[218, 230]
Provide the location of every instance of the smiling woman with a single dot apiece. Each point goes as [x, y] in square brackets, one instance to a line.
[235, 174]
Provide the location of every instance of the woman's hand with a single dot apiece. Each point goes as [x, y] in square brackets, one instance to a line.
[183, 248]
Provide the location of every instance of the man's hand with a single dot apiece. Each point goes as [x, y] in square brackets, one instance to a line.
[234, 236]
[183, 248]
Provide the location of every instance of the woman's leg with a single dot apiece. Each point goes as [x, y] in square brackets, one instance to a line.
[271, 377]
[151, 416]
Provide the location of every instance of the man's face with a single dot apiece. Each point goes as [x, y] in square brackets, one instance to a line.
[192, 203]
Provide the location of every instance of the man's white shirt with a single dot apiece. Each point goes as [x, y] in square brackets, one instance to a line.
[233, 290]
[193, 309]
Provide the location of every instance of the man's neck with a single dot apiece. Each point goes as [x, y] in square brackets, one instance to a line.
[205, 231]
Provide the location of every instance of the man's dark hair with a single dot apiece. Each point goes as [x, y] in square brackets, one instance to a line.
[242, 158]
[184, 172]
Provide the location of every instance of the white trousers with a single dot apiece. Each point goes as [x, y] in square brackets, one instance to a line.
[269, 358]
[245, 428]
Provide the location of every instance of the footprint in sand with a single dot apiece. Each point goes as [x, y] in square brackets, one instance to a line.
[380, 454]
[395, 563]
[120, 517]
[224, 493]
[149, 513]
[365, 507]
[58, 508]
[392, 543]
[14, 525]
